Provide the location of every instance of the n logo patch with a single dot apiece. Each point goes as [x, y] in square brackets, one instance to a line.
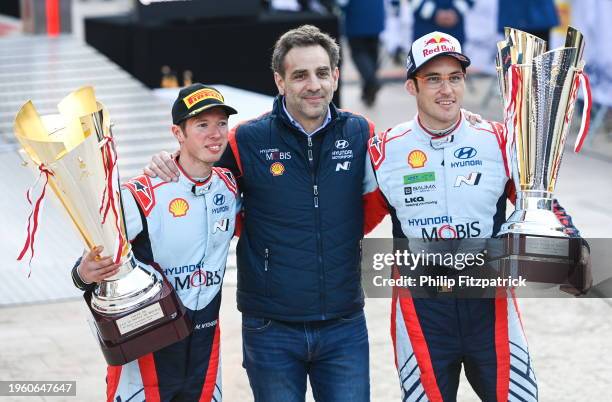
[221, 225]
[343, 166]
[472, 180]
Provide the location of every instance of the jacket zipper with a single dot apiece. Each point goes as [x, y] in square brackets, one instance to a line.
[266, 266]
[315, 187]
[267, 255]
[310, 158]
[315, 191]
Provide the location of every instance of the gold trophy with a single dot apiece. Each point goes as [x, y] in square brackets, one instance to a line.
[135, 310]
[539, 90]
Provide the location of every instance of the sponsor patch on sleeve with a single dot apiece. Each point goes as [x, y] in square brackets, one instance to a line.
[142, 190]
[228, 178]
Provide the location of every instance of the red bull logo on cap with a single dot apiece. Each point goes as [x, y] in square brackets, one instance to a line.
[437, 44]
[434, 40]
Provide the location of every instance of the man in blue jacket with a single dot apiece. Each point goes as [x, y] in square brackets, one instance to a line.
[306, 182]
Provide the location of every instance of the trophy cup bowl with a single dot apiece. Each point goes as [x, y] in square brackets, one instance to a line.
[135, 311]
[539, 90]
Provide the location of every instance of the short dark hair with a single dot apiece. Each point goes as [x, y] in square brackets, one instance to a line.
[183, 126]
[306, 35]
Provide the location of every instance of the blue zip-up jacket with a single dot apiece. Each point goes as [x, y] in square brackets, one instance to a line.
[298, 254]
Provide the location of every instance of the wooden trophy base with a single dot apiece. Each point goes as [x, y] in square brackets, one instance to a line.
[541, 259]
[147, 328]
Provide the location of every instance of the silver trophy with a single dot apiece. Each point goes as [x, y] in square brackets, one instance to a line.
[539, 90]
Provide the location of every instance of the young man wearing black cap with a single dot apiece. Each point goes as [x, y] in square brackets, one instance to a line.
[183, 229]
[445, 177]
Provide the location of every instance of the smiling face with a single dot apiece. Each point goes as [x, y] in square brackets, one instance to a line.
[203, 138]
[441, 107]
[308, 84]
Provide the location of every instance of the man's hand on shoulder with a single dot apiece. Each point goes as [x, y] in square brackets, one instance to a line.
[94, 268]
[473, 118]
[163, 165]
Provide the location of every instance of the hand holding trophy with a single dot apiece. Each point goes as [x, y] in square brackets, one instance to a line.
[135, 311]
[539, 90]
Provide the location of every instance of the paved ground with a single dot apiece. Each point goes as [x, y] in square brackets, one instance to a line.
[570, 339]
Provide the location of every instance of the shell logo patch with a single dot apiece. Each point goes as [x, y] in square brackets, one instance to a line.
[417, 158]
[178, 207]
[277, 169]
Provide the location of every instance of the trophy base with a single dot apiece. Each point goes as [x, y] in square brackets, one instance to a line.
[147, 328]
[540, 258]
[533, 216]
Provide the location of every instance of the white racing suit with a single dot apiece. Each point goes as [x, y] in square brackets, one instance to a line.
[186, 232]
[453, 187]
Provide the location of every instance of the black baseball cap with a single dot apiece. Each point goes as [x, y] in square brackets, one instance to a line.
[195, 99]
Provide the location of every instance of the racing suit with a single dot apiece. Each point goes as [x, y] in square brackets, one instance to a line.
[184, 229]
[445, 187]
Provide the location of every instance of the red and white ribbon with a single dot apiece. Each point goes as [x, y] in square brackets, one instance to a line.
[585, 85]
[109, 160]
[511, 113]
[35, 196]
[111, 191]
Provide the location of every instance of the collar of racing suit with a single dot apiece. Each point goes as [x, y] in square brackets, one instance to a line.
[438, 139]
[197, 186]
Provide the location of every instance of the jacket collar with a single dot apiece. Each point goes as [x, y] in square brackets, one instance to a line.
[449, 139]
[197, 187]
[278, 110]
